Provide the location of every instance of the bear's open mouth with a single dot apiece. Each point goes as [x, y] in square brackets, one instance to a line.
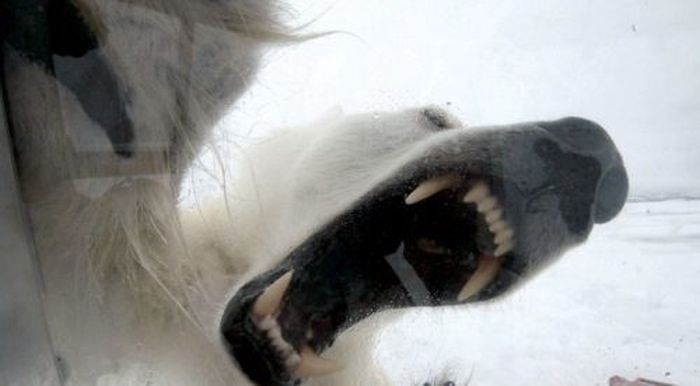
[446, 240]
[461, 217]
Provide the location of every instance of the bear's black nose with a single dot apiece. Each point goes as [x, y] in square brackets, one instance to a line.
[583, 147]
[611, 195]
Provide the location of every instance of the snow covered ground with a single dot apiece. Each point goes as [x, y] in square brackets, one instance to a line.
[626, 303]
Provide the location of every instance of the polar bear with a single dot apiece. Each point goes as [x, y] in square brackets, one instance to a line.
[398, 209]
[330, 231]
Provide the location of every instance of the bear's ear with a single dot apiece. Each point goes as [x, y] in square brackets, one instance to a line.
[63, 38]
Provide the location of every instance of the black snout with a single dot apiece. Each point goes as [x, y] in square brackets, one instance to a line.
[612, 193]
[589, 174]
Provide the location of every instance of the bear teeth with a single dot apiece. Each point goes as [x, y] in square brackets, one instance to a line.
[480, 195]
[479, 192]
[273, 332]
[431, 187]
[485, 273]
[489, 266]
[302, 364]
[269, 301]
[310, 364]
[488, 206]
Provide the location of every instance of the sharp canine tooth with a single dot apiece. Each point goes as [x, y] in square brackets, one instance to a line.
[477, 193]
[430, 187]
[284, 348]
[485, 273]
[497, 226]
[274, 334]
[268, 302]
[267, 323]
[486, 204]
[493, 216]
[292, 361]
[504, 248]
[503, 235]
[311, 364]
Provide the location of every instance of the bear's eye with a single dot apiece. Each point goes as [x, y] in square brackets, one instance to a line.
[439, 119]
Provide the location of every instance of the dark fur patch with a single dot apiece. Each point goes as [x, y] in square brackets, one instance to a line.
[56, 35]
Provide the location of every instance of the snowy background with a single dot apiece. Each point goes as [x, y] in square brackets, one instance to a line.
[626, 302]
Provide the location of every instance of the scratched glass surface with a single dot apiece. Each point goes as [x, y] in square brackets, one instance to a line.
[400, 193]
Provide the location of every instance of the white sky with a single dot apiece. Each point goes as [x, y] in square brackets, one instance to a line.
[631, 65]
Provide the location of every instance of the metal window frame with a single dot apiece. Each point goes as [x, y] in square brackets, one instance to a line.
[26, 352]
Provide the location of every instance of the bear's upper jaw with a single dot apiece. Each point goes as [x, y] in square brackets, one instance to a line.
[445, 240]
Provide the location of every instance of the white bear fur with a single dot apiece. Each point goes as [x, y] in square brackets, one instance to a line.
[134, 290]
